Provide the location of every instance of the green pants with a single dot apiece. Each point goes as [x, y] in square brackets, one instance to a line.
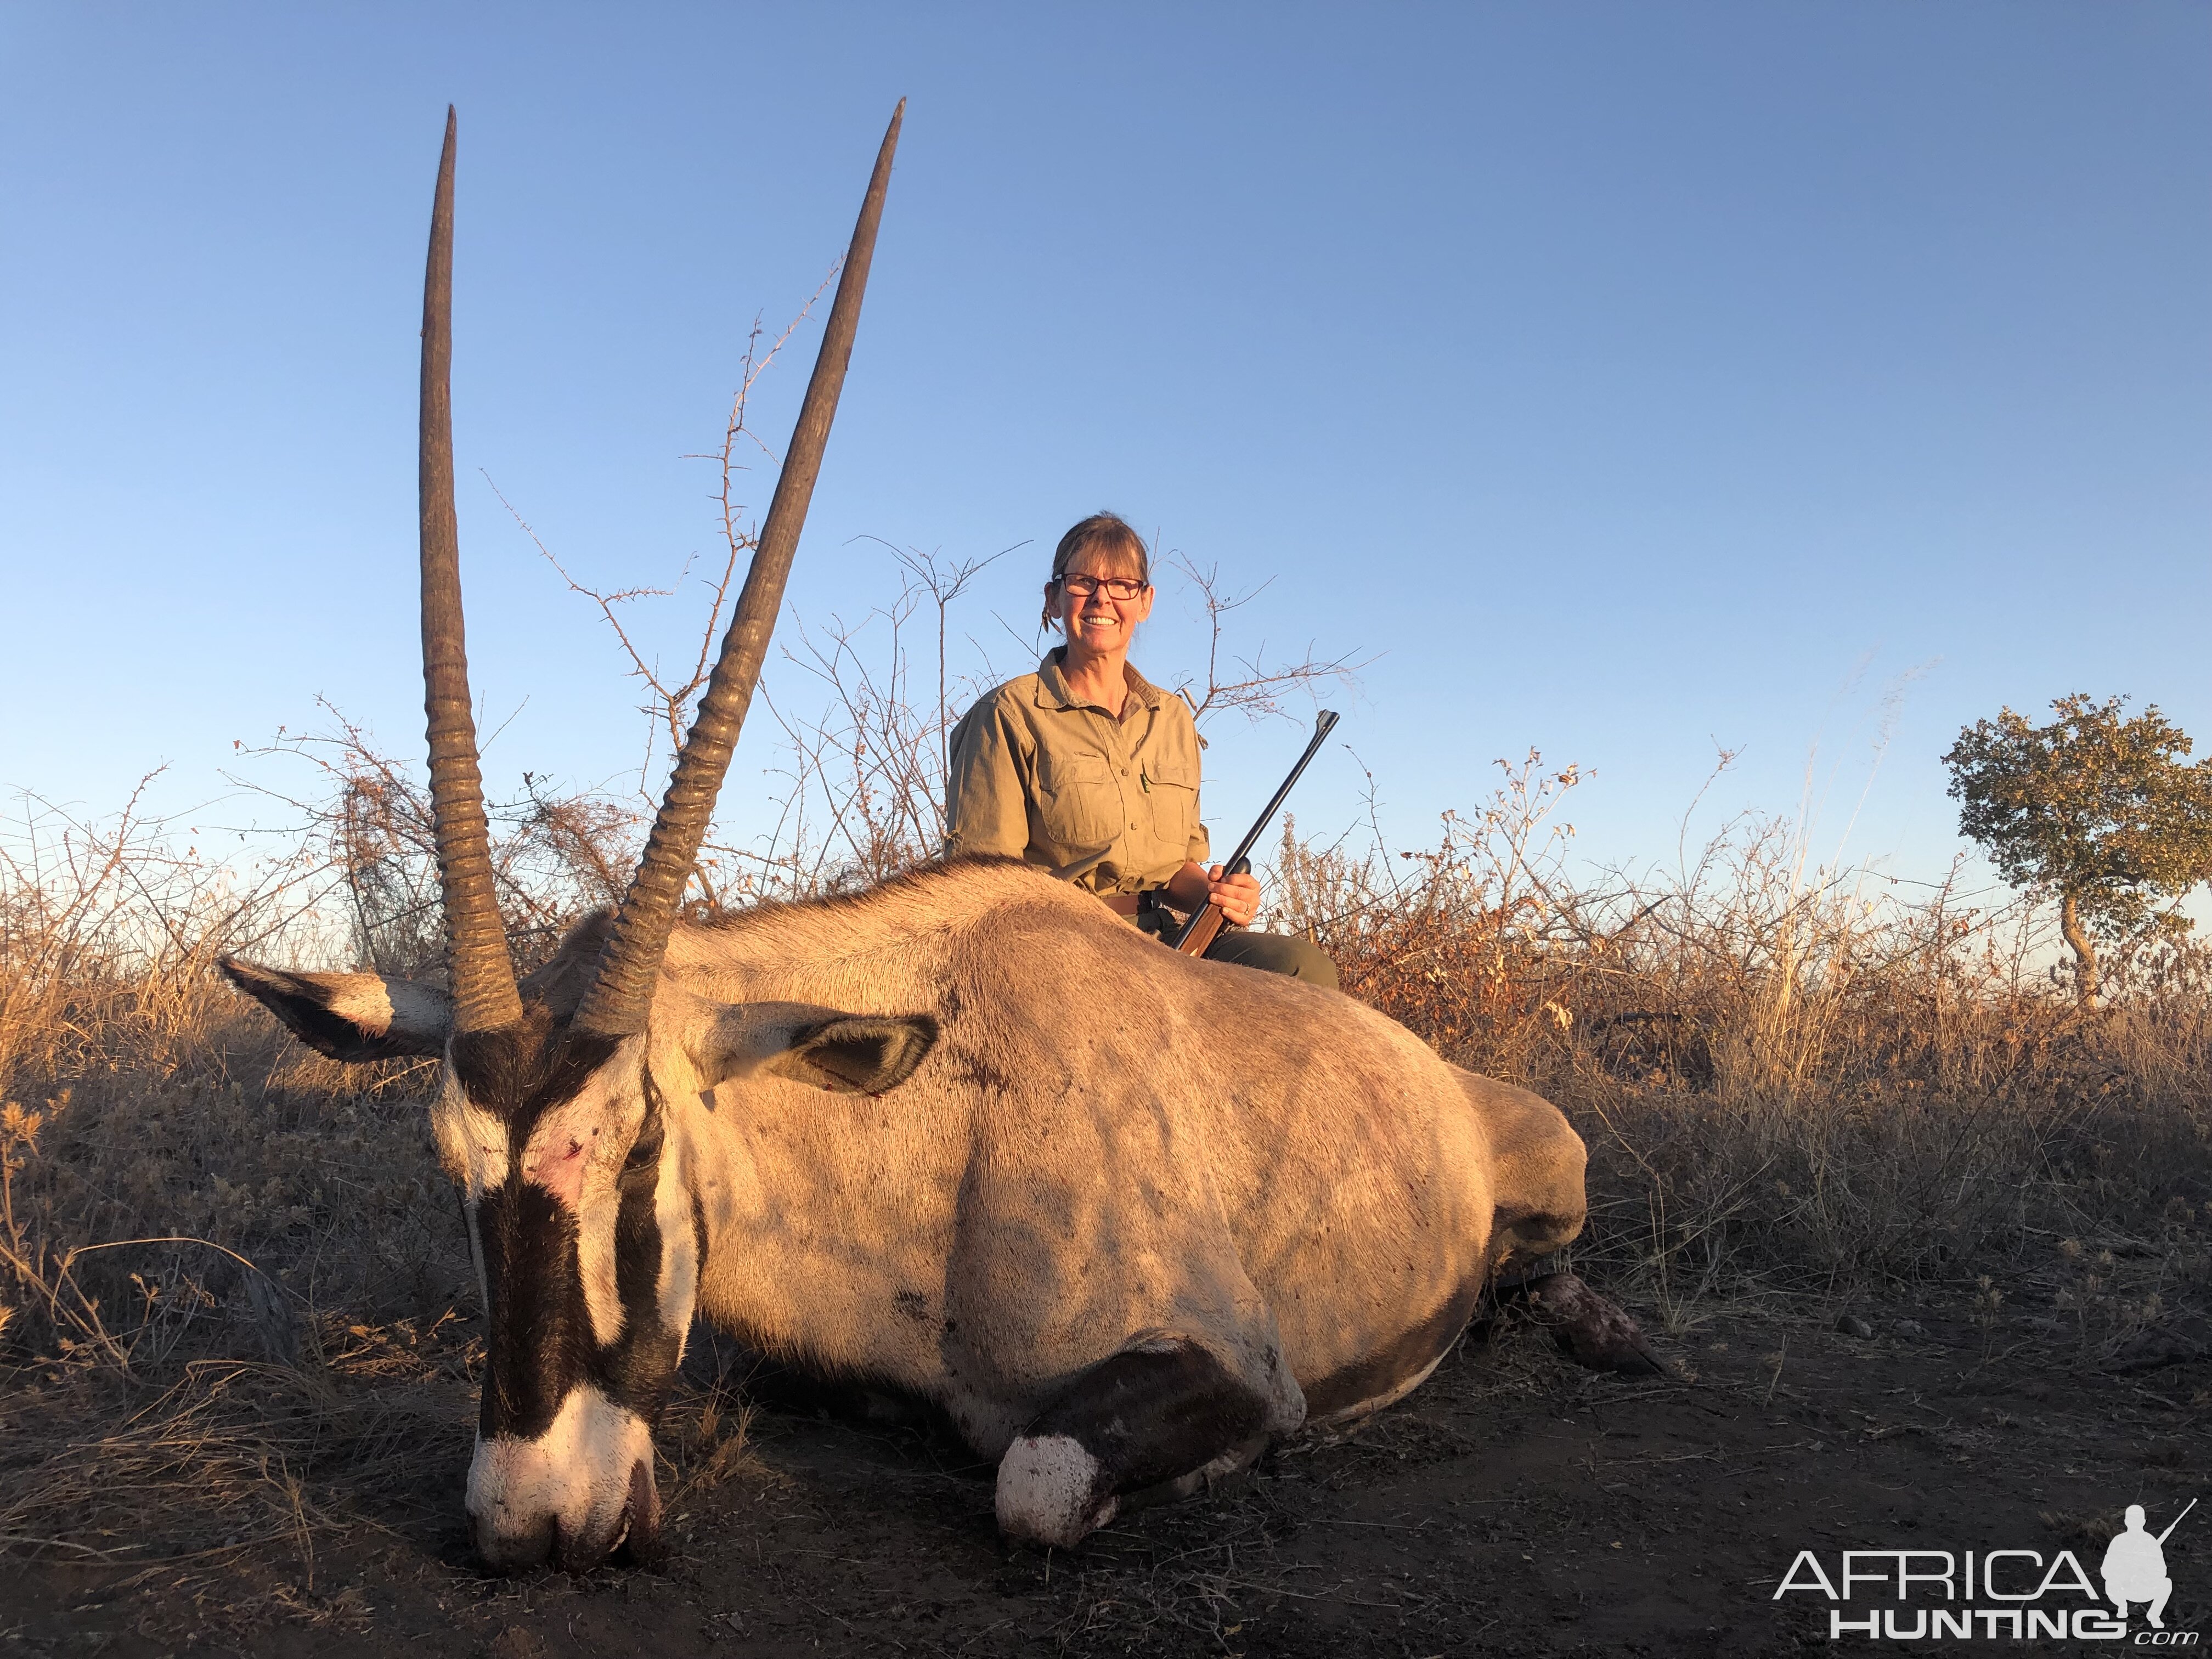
[1275, 953]
[1271, 953]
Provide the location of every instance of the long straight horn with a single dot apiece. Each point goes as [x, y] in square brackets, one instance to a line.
[620, 997]
[482, 973]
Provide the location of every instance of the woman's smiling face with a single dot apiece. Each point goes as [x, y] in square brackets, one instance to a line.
[1097, 623]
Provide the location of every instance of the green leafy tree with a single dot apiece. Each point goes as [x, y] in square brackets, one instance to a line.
[2095, 810]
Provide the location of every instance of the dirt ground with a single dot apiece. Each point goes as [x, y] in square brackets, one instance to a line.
[1514, 1505]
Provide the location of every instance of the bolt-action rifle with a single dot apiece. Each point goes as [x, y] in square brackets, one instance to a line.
[1204, 926]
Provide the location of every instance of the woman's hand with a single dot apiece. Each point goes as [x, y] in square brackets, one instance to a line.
[1237, 896]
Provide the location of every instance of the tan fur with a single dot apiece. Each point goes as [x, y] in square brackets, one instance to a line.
[1082, 1160]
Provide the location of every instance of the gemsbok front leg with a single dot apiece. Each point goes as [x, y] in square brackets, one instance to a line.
[1164, 1410]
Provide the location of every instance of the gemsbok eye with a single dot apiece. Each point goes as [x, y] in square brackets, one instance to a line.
[645, 1151]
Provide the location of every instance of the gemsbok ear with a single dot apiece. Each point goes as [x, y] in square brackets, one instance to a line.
[845, 1053]
[350, 1017]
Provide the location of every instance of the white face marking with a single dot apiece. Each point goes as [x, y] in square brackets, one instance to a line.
[577, 1473]
[471, 1142]
[679, 1246]
[1046, 1487]
[472, 1146]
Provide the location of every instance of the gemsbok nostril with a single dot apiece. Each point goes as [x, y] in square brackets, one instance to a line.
[641, 1542]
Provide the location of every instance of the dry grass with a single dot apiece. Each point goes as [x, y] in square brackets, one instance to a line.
[1793, 1079]
[238, 1313]
[231, 1266]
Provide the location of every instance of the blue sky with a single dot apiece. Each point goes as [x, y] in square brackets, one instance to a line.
[1633, 380]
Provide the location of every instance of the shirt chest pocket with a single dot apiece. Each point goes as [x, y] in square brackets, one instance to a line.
[1171, 792]
[1077, 800]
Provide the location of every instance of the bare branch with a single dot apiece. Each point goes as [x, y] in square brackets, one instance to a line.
[1257, 690]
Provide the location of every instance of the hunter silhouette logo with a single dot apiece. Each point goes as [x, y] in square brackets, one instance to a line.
[1999, 1595]
[2135, 1566]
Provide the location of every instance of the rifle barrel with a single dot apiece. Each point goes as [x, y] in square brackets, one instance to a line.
[1322, 728]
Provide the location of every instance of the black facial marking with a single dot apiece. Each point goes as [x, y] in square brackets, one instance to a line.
[1376, 1374]
[539, 1328]
[541, 1344]
[637, 1368]
[521, 1071]
[1150, 1415]
[645, 1151]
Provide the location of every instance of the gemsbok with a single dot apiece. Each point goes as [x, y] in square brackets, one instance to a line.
[967, 1136]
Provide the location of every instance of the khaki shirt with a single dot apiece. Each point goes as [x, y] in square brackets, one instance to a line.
[1037, 775]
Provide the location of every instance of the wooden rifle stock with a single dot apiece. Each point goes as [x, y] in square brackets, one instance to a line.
[1202, 929]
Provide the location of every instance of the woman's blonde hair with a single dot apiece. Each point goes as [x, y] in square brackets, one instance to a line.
[1105, 533]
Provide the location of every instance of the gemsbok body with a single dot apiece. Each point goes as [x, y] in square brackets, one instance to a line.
[966, 1136]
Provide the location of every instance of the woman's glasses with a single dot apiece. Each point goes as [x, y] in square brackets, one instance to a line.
[1117, 587]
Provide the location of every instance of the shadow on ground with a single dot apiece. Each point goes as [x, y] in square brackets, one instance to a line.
[1513, 1506]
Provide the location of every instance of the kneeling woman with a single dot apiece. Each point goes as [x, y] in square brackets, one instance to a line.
[1087, 765]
